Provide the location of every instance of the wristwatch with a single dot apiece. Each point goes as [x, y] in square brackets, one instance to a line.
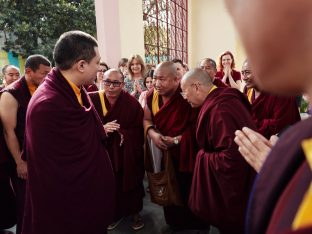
[175, 141]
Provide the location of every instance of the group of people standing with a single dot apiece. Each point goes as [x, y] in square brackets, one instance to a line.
[76, 158]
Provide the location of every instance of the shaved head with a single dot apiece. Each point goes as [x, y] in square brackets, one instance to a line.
[166, 79]
[195, 86]
[169, 67]
[111, 72]
[197, 75]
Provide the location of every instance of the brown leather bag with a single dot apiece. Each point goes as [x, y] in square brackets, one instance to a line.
[163, 186]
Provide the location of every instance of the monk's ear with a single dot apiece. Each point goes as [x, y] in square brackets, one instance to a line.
[28, 70]
[80, 65]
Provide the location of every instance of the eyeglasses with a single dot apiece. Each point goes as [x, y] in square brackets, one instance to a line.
[102, 70]
[108, 83]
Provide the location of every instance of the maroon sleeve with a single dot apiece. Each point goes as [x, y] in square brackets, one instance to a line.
[222, 178]
[133, 151]
[188, 144]
[91, 88]
[236, 75]
[284, 114]
[219, 83]
[220, 74]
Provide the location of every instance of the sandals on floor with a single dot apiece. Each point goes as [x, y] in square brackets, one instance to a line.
[114, 225]
[137, 224]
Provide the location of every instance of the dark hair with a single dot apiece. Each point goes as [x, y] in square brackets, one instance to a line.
[105, 65]
[34, 61]
[150, 73]
[211, 61]
[220, 60]
[175, 60]
[73, 46]
[122, 62]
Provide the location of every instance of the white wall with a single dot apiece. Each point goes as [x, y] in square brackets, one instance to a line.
[211, 32]
[131, 27]
[119, 26]
[120, 30]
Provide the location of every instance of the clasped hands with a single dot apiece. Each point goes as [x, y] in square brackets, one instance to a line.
[136, 87]
[227, 73]
[254, 147]
[162, 142]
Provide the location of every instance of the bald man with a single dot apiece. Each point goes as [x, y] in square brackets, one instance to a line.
[10, 73]
[7, 167]
[210, 66]
[122, 117]
[280, 57]
[222, 179]
[169, 122]
[272, 114]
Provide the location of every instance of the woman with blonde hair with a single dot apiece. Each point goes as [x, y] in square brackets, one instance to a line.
[134, 83]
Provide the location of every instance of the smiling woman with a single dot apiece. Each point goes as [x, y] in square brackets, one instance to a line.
[226, 71]
[134, 84]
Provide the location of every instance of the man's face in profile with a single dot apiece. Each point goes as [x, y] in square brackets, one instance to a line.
[247, 76]
[92, 68]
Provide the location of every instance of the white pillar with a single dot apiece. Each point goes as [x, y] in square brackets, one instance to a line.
[119, 26]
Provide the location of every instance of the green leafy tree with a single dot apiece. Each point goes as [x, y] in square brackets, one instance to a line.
[33, 26]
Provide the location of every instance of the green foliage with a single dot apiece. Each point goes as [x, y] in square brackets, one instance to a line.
[304, 105]
[33, 26]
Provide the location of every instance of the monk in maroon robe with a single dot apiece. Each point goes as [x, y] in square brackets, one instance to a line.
[13, 106]
[273, 209]
[271, 113]
[122, 117]
[284, 181]
[222, 179]
[210, 66]
[170, 123]
[70, 186]
[91, 88]
[7, 197]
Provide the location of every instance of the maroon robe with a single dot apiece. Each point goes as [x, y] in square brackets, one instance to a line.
[177, 117]
[19, 90]
[8, 210]
[235, 74]
[273, 114]
[127, 159]
[70, 185]
[219, 83]
[91, 88]
[7, 196]
[305, 230]
[222, 178]
[281, 184]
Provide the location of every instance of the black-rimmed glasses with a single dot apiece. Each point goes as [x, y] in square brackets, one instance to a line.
[114, 83]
